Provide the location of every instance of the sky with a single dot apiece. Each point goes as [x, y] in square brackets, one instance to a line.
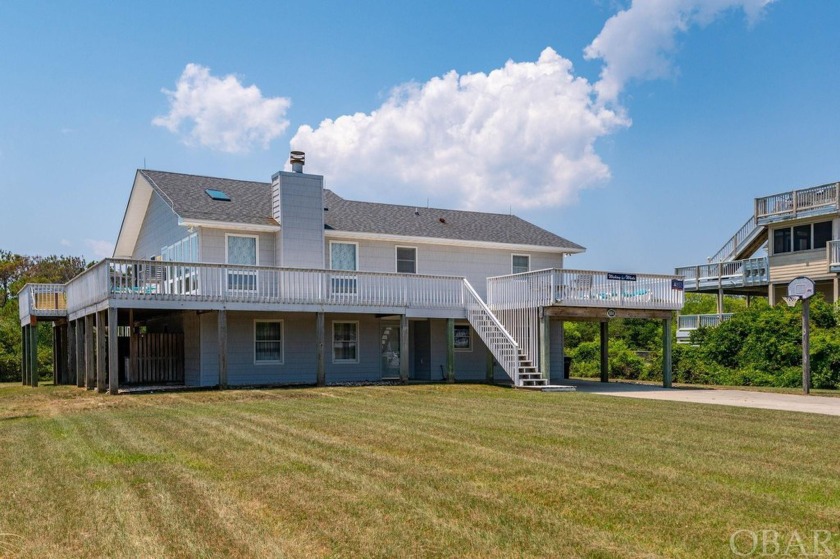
[639, 129]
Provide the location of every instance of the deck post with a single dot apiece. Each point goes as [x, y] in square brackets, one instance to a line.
[771, 295]
[450, 350]
[24, 355]
[70, 340]
[836, 283]
[101, 349]
[133, 361]
[545, 349]
[404, 348]
[320, 371]
[605, 351]
[666, 353]
[56, 353]
[113, 352]
[80, 353]
[223, 349]
[561, 326]
[90, 371]
[720, 300]
[33, 354]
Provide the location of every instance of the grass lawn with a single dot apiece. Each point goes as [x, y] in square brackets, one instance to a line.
[426, 470]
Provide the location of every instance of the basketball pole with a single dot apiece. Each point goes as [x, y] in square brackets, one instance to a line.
[806, 350]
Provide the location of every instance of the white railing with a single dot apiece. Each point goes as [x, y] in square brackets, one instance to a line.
[731, 247]
[88, 288]
[796, 201]
[491, 331]
[752, 271]
[833, 249]
[42, 299]
[584, 288]
[185, 281]
[695, 321]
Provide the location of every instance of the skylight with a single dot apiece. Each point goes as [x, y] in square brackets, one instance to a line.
[217, 195]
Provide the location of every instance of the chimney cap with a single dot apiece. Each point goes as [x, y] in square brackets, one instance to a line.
[297, 159]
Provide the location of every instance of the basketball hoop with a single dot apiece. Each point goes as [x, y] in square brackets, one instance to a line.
[791, 300]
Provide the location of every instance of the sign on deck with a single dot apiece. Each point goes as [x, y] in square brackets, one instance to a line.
[801, 287]
[622, 277]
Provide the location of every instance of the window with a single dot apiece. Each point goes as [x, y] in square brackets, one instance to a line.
[344, 256]
[406, 260]
[520, 263]
[781, 241]
[217, 195]
[802, 237]
[822, 234]
[268, 341]
[241, 250]
[345, 342]
[463, 337]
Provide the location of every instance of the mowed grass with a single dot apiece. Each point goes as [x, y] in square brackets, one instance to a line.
[408, 471]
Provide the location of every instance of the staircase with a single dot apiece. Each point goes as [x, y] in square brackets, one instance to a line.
[529, 376]
[746, 241]
[507, 352]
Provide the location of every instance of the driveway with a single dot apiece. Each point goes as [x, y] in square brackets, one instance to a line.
[825, 405]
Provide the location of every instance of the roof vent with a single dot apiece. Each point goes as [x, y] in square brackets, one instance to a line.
[442, 219]
[297, 159]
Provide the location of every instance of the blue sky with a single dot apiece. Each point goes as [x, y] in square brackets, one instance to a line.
[643, 134]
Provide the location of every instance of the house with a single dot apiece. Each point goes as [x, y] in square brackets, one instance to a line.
[219, 282]
[795, 233]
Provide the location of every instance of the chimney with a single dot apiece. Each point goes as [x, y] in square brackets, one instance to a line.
[297, 159]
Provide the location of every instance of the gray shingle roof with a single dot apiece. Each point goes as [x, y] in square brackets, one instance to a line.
[251, 204]
[391, 219]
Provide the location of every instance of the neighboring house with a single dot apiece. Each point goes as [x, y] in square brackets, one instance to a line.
[795, 233]
[218, 282]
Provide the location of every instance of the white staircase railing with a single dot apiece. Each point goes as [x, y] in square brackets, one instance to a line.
[494, 335]
[729, 250]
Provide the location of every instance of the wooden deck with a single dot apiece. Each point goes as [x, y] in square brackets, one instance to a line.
[794, 204]
[739, 274]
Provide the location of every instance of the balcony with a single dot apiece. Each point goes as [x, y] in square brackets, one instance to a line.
[753, 272]
[688, 323]
[190, 285]
[794, 204]
[585, 288]
[834, 256]
[43, 300]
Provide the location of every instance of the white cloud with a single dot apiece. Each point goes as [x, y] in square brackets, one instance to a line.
[100, 249]
[520, 136]
[637, 43]
[221, 113]
[65, 243]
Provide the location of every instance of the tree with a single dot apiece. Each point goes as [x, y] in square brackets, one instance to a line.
[16, 271]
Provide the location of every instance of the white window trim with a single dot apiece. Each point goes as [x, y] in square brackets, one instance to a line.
[512, 256]
[344, 243]
[416, 259]
[282, 342]
[358, 343]
[256, 247]
[470, 331]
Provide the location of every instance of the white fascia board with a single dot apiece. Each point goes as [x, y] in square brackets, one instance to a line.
[211, 224]
[135, 212]
[333, 234]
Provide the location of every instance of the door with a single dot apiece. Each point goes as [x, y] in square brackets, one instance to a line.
[422, 341]
[389, 349]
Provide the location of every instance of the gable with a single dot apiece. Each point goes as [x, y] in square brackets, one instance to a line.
[135, 213]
